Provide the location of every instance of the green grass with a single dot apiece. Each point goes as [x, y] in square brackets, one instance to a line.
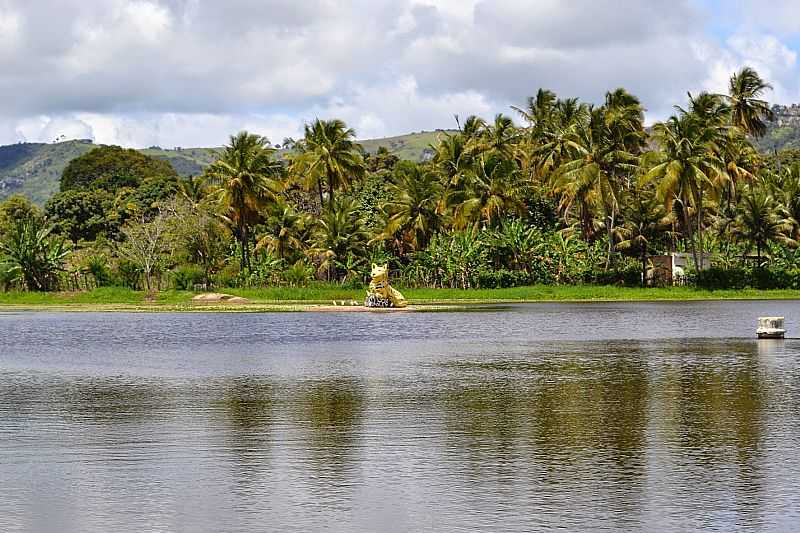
[115, 298]
[410, 147]
[537, 293]
[103, 295]
[594, 293]
[311, 294]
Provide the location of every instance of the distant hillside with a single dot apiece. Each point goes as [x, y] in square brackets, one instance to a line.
[186, 161]
[411, 147]
[784, 131]
[34, 169]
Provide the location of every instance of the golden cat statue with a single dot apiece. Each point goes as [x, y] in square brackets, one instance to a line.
[380, 293]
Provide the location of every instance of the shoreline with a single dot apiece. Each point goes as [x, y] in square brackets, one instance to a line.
[421, 300]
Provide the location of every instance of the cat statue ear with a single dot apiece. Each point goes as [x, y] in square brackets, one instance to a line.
[374, 266]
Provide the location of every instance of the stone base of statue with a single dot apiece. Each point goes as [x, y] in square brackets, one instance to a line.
[374, 300]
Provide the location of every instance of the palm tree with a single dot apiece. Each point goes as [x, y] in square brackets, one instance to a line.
[758, 221]
[287, 232]
[538, 111]
[493, 189]
[740, 162]
[247, 177]
[624, 115]
[193, 189]
[787, 192]
[328, 157]
[646, 221]
[473, 127]
[338, 233]
[685, 167]
[413, 208]
[453, 157]
[580, 196]
[500, 137]
[748, 111]
[604, 155]
[557, 141]
[711, 109]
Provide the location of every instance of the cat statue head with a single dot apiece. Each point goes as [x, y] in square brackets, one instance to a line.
[380, 272]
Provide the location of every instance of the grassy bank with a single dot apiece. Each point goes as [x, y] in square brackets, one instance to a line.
[286, 298]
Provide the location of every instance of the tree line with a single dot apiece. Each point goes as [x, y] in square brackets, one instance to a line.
[569, 193]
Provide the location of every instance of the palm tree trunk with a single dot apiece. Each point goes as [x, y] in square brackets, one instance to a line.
[689, 228]
[243, 243]
[644, 268]
[586, 223]
[699, 265]
[610, 231]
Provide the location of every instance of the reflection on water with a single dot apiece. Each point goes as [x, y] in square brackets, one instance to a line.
[489, 425]
[247, 403]
[330, 411]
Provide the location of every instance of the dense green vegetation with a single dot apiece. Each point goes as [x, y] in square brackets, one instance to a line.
[576, 194]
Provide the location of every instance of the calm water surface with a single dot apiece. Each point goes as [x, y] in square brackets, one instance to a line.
[583, 417]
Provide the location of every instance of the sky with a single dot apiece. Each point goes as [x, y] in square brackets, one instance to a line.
[192, 72]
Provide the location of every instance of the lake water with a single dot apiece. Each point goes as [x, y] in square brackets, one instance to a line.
[585, 417]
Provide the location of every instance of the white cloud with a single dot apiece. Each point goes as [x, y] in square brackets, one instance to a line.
[10, 29]
[399, 107]
[772, 59]
[776, 16]
[191, 72]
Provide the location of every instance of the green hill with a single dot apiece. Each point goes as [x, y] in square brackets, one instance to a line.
[34, 169]
[783, 132]
[411, 147]
[185, 161]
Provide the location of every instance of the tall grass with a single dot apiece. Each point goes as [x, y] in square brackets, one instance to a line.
[326, 293]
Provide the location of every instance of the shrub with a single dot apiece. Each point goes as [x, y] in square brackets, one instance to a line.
[128, 274]
[503, 279]
[186, 277]
[746, 277]
[264, 271]
[97, 266]
[228, 276]
[299, 274]
[627, 273]
[34, 256]
[8, 278]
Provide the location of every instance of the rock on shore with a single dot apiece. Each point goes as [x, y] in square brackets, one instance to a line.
[218, 297]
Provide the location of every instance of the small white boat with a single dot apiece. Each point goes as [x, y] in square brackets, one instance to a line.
[770, 327]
